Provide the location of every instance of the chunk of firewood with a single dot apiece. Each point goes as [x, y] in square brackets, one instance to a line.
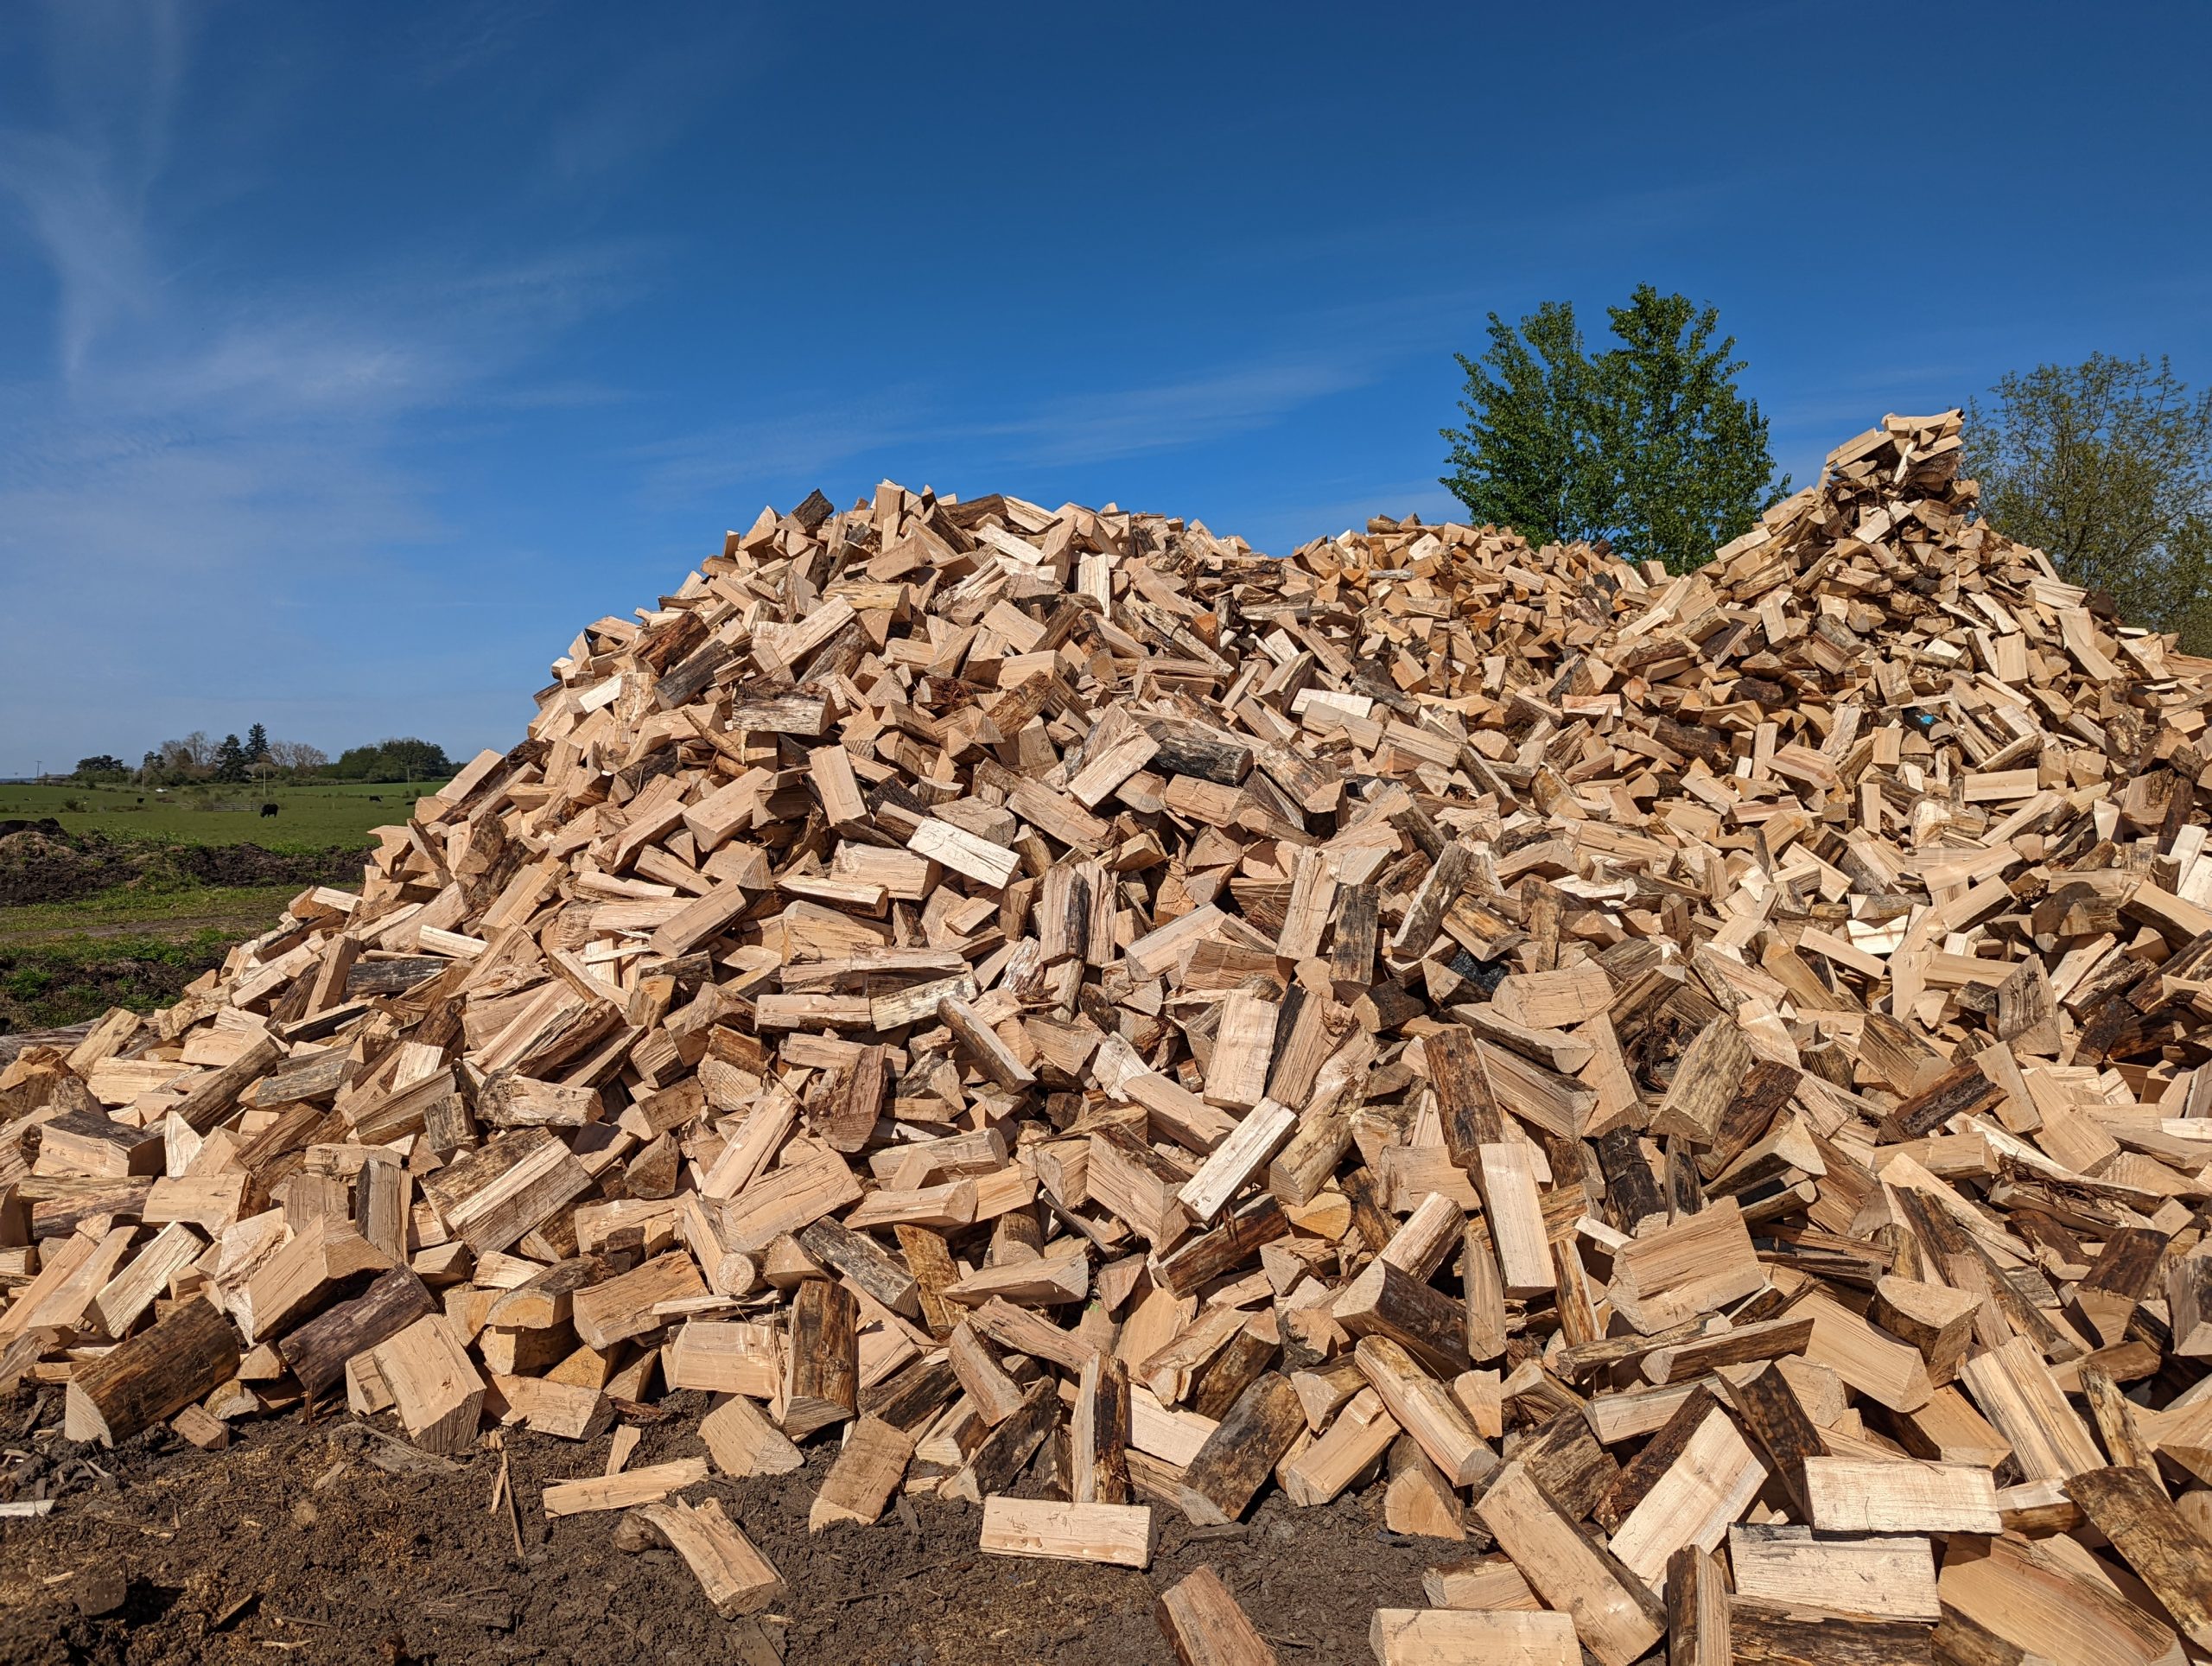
[1696, 1266]
[742, 1441]
[1852, 1495]
[1425, 1409]
[1935, 1318]
[1227, 1473]
[999, 1456]
[1880, 1576]
[1354, 1441]
[861, 1259]
[1387, 1300]
[736, 1577]
[859, 1484]
[1770, 1412]
[187, 1354]
[434, 1385]
[997, 1395]
[1516, 1218]
[1710, 1484]
[1206, 1627]
[1706, 1078]
[1121, 1534]
[1237, 1159]
[1444, 1637]
[821, 1359]
[1761, 1637]
[619, 1308]
[2189, 1301]
[1615, 1614]
[1417, 1501]
[1098, 1434]
[724, 1357]
[1697, 1611]
[623, 1491]
[316, 1352]
[2169, 1555]
[2015, 1390]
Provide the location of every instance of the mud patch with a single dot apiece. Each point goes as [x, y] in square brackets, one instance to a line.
[40, 862]
[292, 1543]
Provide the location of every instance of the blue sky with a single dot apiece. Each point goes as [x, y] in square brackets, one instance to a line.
[353, 357]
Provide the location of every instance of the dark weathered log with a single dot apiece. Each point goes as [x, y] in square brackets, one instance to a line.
[1770, 1412]
[1098, 1434]
[1228, 1471]
[822, 1370]
[1763, 1639]
[910, 1398]
[1194, 1264]
[316, 1351]
[2169, 1555]
[1388, 1300]
[190, 1352]
[861, 1259]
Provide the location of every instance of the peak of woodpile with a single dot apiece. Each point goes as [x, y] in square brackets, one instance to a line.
[1701, 1083]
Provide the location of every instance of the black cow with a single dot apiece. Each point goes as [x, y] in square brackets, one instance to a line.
[376, 798]
[268, 810]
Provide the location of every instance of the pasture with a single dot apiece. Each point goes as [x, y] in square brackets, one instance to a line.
[163, 921]
[313, 815]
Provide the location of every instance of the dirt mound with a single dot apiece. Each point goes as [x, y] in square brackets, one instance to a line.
[41, 861]
[296, 1536]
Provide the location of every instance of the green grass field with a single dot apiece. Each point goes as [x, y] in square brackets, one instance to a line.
[136, 945]
[315, 817]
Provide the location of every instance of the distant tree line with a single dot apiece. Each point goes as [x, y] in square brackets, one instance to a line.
[230, 761]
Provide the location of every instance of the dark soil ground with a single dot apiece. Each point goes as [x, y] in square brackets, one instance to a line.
[295, 1543]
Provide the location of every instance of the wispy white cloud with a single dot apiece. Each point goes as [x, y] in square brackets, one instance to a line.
[639, 107]
[205, 469]
[465, 36]
[1112, 423]
[1094, 425]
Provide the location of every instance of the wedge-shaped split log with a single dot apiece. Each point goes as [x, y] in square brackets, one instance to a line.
[1616, 1616]
[1204, 1625]
[434, 1384]
[735, 1577]
[859, 1484]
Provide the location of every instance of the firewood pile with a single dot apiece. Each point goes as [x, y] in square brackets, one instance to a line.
[1700, 1084]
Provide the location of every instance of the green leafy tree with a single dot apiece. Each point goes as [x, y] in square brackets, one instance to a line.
[102, 764]
[230, 759]
[1523, 460]
[1648, 445]
[2107, 468]
[1687, 452]
[256, 745]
